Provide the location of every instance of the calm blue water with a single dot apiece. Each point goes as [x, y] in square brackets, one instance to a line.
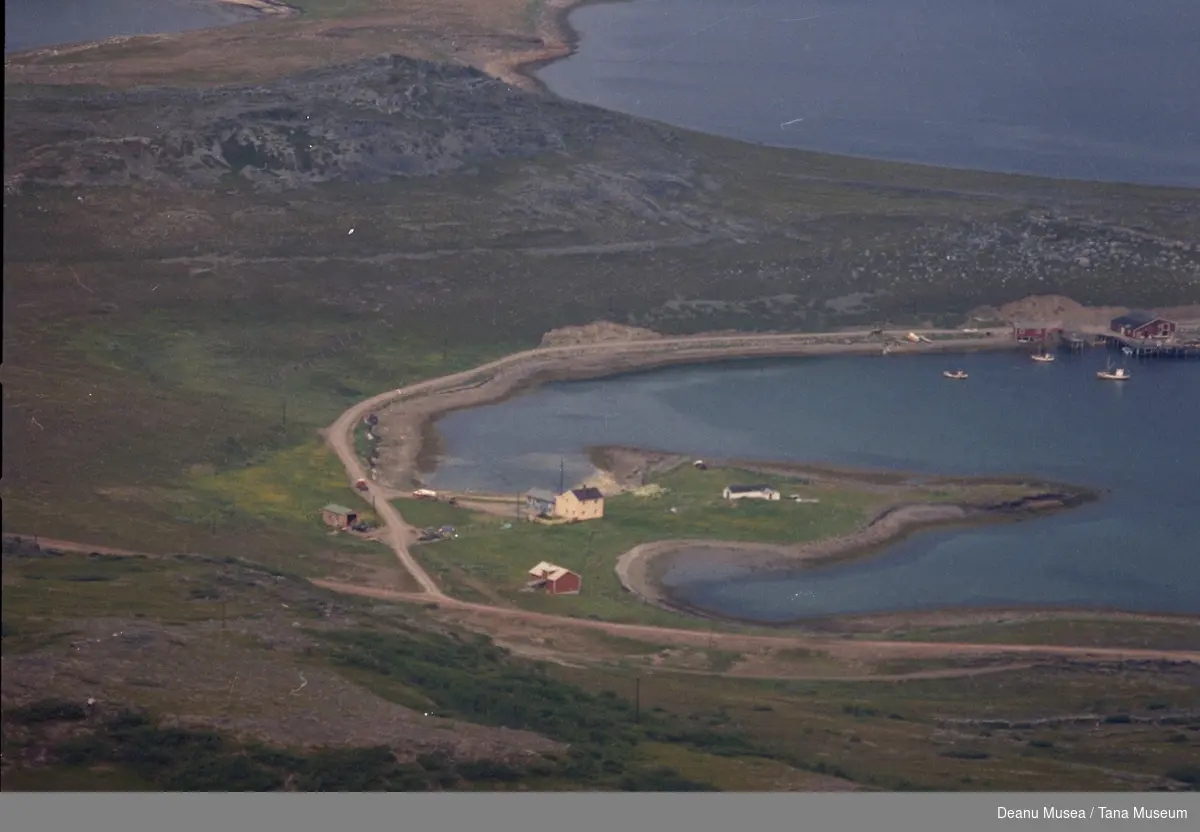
[30, 24]
[1091, 89]
[1137, 549]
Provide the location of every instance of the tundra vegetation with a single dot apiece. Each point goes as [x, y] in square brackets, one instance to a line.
[185, 306]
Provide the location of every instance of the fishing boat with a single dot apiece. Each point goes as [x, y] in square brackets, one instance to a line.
[1109, 374]
[1043, 357]
[955, 374]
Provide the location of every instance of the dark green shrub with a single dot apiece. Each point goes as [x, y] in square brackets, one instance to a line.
[47, 710]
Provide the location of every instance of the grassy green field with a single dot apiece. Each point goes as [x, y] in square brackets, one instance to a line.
[492, 554]
[171, 352]
[222, 641]
[893, 736]
[196, 430]
[1080, 630]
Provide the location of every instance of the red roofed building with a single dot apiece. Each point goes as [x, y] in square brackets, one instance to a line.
[1032, 331]
[555, 580]
[1143, 325]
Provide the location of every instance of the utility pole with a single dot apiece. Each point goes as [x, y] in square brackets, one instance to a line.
[283, 414]
[222, 615]
[637, 699]
[562, 475]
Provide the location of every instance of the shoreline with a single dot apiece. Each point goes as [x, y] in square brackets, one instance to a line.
[641, 569]
[408, 430]
[559, 40]
[405, 425]
[263, 8]
[255, 11]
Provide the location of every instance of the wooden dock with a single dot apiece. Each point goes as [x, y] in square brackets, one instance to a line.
[1174, 349]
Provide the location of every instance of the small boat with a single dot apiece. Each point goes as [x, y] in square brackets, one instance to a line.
[956, 374]
[1043, 357]
[1118, 374]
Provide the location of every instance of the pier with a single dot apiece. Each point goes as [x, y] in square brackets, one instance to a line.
[1175, 348]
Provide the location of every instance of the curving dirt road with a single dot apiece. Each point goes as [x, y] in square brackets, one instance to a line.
[399, 535]
[835, 646]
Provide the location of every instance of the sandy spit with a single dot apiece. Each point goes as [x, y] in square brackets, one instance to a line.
[640, 569]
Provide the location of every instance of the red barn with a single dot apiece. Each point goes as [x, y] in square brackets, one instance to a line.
[1143, 325]
[1034, 331]
[555, 580]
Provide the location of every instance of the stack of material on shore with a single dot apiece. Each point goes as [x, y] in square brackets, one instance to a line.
[652, 490]
[604, 481]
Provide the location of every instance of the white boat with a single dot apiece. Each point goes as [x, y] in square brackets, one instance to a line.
[1043, 357]
[1110, 373]
[956, 374]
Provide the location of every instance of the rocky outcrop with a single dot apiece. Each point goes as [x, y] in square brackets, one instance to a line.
[391, 116]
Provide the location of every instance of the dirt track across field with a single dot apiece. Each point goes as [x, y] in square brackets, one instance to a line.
[497, 379]
[855, 649]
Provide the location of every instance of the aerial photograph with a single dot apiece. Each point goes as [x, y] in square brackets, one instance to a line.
[619, 396]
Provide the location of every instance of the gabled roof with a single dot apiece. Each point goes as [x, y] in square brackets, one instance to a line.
[743, 489]
[584, 495]
[548, 571]
[541, 494]
[336, 509]
[1035, 325]
[1136, 318]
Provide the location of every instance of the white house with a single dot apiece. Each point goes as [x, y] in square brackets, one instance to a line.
[750, 492]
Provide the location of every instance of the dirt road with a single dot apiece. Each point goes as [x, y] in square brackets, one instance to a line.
[399, 535]
[71, 546]
[834, 646]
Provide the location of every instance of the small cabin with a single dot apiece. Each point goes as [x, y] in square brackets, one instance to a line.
[339, 517]
[554, 580]
[750, 492]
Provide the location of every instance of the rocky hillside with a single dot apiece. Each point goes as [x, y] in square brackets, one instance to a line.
[464, 185]
[376, 119]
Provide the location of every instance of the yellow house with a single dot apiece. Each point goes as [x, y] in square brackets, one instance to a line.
[579, 504]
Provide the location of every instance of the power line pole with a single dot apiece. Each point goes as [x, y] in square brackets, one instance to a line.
[637, 699]
[562, 475]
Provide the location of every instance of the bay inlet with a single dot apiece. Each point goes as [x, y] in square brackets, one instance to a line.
[1137, 549]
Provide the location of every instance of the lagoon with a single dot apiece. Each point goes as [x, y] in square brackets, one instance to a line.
[1138, 548]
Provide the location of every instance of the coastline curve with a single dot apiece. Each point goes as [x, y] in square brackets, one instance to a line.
[640, 569]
